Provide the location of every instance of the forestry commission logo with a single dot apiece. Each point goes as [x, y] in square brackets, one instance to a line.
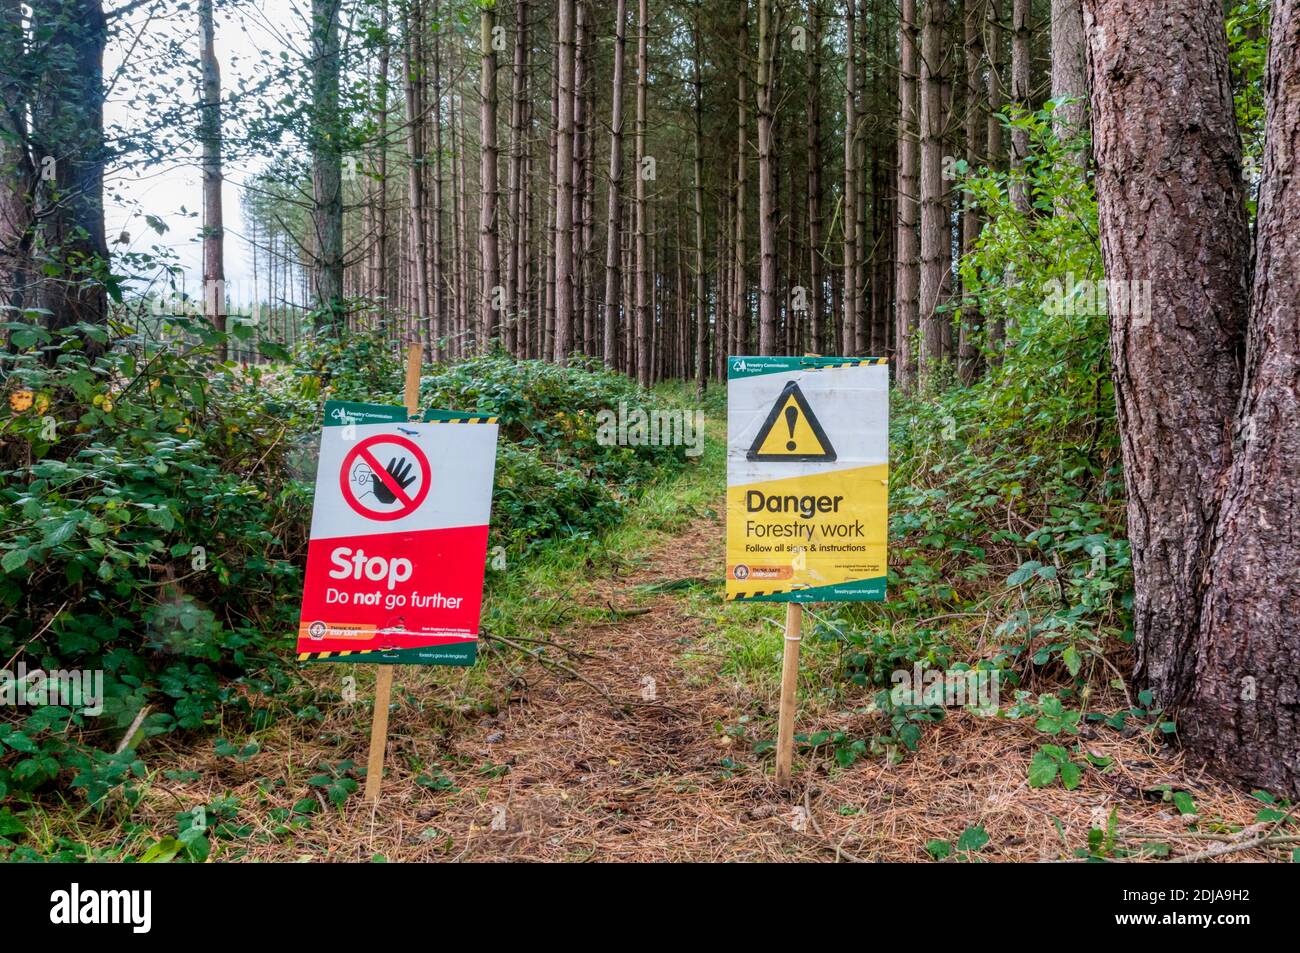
[76, 906]
[316, 630]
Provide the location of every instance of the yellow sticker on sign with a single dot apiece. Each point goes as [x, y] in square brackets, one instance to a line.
[807, 479]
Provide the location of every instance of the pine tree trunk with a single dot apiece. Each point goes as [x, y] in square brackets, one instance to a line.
[814, 145]
[1069, 74]
[613, 218]
[644, 354]
[767, 329]
[969, 358]
[1243, 712]
[491, 294]
[993, 40]
[327, 173]
[1020, 57]
[514, 181]
[1172, 213]
[935, 235]
[850, 318]
[701, 304]
[740, 300]
[214, 234]
[564, 186]
[907, 268]
[413, 67]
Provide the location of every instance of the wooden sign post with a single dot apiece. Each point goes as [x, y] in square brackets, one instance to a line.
[807, 494]
[384, 676]
[789, 691]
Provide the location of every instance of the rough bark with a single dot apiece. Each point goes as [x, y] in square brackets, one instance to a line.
[1243, 712]
[1172, 213]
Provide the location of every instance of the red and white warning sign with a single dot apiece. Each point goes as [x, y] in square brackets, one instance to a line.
[398, 537]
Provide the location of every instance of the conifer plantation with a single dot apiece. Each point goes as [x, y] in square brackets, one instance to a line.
[1063, 234]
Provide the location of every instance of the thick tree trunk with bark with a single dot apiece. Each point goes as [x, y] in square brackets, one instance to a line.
[1243, 711]
[849, 321]
[1172, 213]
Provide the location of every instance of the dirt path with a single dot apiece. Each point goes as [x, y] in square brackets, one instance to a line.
[560, 773]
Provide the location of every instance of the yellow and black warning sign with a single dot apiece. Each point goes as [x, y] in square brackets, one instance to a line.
[792, 431]
[807, 479]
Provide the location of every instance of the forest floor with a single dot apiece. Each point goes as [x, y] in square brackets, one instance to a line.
[635, 742]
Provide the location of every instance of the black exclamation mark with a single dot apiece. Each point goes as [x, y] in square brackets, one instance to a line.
[791, 415]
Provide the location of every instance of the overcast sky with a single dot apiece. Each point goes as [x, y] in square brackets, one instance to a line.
[241, 35]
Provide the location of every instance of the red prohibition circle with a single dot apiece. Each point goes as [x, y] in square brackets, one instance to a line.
[410, 504]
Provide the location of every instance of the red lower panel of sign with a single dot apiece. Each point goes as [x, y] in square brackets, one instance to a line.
[393, 591]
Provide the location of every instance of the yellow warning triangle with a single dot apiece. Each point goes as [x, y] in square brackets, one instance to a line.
[792, 432]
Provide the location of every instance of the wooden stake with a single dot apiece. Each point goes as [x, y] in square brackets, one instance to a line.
[789, 688]
[379, 732]
[384, 677]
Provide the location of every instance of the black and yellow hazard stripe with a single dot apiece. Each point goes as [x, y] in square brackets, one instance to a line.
[466, 420]
[850, 362]
[317, 656]
[765, 592]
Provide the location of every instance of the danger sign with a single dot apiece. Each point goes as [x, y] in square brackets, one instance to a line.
[398, 537]
[792, 431]
[807, 478]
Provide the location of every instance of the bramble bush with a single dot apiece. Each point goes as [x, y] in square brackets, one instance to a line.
[1007, 496]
